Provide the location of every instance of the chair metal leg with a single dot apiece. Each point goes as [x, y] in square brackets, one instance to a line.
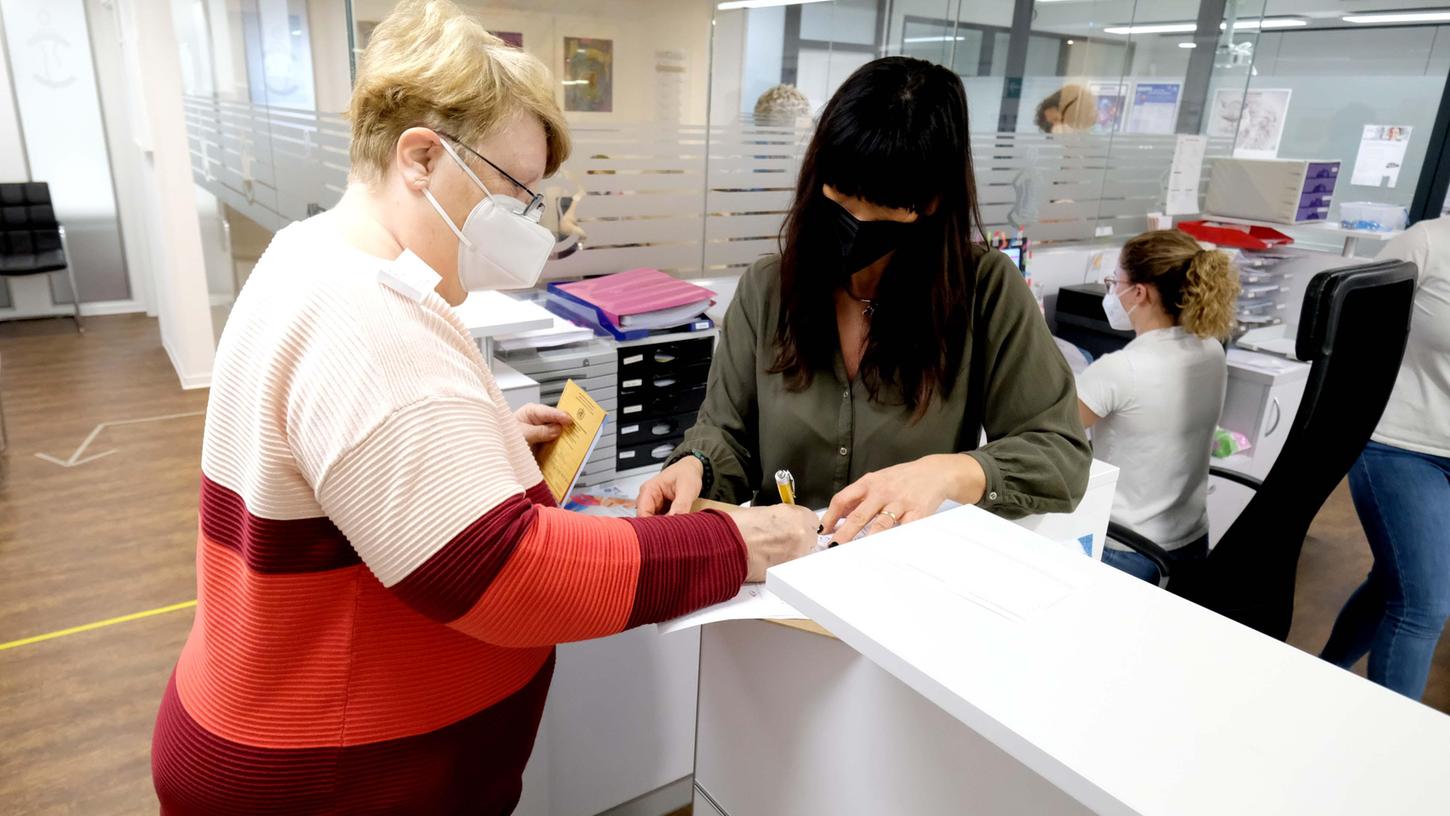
[75, 292]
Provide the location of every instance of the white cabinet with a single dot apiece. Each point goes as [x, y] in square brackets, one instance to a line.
[1262, 398]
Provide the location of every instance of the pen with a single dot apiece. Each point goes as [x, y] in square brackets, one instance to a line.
[785, 483]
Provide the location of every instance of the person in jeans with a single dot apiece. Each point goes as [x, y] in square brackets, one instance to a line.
[1154, 404]
[1401, 490]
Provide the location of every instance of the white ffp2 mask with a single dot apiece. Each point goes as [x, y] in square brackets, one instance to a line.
[498, 248]
[1118, 317]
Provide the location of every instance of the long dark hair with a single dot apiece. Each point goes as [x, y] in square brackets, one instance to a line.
[896, 135]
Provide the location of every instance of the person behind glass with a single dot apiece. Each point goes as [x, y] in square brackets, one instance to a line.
[1071, 109]
[869, 357]
[382, 571]
[1401, 491]
[1154, 405]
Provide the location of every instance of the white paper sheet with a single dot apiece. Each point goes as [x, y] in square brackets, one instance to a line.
[1186, 175]
[754, 602]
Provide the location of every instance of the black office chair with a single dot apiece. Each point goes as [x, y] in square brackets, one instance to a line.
[1352, 330]
[32, 242]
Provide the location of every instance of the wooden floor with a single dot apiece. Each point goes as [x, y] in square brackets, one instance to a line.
[116, 535]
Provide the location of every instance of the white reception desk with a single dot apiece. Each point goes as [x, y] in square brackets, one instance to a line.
[1098, 693]
[1016, 679]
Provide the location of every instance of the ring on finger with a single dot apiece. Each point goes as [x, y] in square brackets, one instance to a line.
[887, 513]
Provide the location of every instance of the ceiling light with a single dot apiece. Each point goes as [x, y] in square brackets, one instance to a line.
[750, 4]
[1399, 17]
[943, 38]
[1069, 42]
[1188, 45]
[1188, 28]
[1158, 28]
[1266, 23]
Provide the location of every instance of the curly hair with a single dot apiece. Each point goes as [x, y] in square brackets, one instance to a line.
[1198, 287]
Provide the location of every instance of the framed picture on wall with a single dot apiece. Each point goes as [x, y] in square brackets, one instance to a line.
[1254, 120]
[588, 74]
[513, 38]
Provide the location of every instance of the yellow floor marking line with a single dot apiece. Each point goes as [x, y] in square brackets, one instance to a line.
[86, 627]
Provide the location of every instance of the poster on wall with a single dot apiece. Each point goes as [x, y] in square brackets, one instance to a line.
[1254, 120]
[1155, 107]
[1112, 101]
[588, 74]
[1381, 155]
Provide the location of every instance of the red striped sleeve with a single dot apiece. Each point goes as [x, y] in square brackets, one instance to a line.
[526, 575]
[686, 563]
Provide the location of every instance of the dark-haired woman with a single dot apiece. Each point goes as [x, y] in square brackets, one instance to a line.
[870, 357]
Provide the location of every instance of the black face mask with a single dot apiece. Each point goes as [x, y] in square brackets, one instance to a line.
[861, 243]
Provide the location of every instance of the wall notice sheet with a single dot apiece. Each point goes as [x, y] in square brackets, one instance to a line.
[563, 459]
[1186, 175]
[1381, 155]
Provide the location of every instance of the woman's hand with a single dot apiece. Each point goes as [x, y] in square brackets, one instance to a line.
[673, 491]
[540, 423]
[904, 493]
[774, 535]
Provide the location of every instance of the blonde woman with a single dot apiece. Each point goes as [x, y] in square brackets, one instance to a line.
[1153, 406]
[382, 574]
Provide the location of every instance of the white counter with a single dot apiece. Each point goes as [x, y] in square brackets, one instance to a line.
[1123, 697]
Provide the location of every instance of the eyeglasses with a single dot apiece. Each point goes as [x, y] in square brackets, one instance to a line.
[533, 210]
[1110, 282]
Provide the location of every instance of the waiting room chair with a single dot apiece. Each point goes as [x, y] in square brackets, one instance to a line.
[1352, 331]
[32, 242]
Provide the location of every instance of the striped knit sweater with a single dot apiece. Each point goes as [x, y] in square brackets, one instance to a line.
[381, 573]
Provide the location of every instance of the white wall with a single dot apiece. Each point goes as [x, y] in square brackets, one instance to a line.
[149, 63]
[12, 147]
[331, 67]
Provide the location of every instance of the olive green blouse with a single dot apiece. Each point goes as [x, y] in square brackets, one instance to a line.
[1014, 384]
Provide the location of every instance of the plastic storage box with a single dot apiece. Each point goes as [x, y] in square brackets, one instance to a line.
[1372, 216]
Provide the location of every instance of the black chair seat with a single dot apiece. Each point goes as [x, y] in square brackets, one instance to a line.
[32, 263]
[31, 240]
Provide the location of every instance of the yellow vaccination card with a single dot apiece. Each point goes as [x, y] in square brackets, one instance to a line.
[563, 459]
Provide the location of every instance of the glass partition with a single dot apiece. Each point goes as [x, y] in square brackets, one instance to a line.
[687, 144]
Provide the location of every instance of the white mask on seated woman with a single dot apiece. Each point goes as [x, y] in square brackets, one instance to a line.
[1118, 317]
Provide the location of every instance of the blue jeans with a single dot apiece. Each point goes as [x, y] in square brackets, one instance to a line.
[1137, 565]
[1397, 614]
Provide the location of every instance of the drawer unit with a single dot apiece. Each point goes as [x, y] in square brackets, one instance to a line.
[647, 454]
[665, 358]
[635, 433]
[665, 402]
[661, 388]
[1283, 191]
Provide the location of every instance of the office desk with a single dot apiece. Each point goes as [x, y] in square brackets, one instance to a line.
[1115, 698]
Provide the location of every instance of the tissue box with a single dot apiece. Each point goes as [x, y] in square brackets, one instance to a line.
[1280, 191]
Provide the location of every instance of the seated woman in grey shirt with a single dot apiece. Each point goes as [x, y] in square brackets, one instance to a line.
[869, 357]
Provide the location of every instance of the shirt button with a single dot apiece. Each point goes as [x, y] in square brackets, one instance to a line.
[992, 495]
[844, 451]
[846, 395]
